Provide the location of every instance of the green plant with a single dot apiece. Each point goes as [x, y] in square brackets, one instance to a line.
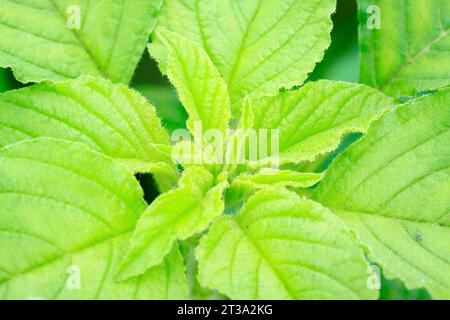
[73, 220]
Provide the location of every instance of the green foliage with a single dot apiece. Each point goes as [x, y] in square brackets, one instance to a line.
[66, 207]
[200, 87]
[109, 118]
[308, 220]
[258, 46]
[313, 119]
[280, 246]
[177, 214]
[99, 44]
[393, 189]
[409, 53]
[278, 178]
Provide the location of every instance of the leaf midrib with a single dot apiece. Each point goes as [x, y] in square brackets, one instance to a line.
[278, 273]
[82, 44]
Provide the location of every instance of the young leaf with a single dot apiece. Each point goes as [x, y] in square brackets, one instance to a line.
[278, 178]
[313, 119]
[258, 46]
[109, 118]
[407, 50]
[392, 188]
[66, 217]
[101, 38]
[282, 247]
[177, 214]
[246, 184]
[200, 87]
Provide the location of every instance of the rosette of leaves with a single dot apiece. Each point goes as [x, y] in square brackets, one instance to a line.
[73, 222]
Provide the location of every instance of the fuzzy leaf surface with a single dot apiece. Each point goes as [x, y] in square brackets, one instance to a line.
[278, 178]
[258, 46]
[175, 215]
[200, 86]
[393, 188]
[312, 120]
[410, 52]
[74, 37]
[66, 216]
[107, 117]
[280, 246]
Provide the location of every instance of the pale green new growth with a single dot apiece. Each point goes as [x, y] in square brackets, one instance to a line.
[410, 52]
[177, 214]
[258, 46]
[73, 220]
[313, 119]
[200, 87]
[66, 216]
[281, 246]
[109, 118]
[278, 178]
[246, 184]
[393, 189]
[64, 39]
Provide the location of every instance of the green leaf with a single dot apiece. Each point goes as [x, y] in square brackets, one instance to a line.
[410, 52]
[66, 217]
[312, 120]
[280, 246]
[278, 178]
[393, 189]
[42, 39]
[109, 118]
[175, 215]
[246, 184]
[200, 87]
[258, 46]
